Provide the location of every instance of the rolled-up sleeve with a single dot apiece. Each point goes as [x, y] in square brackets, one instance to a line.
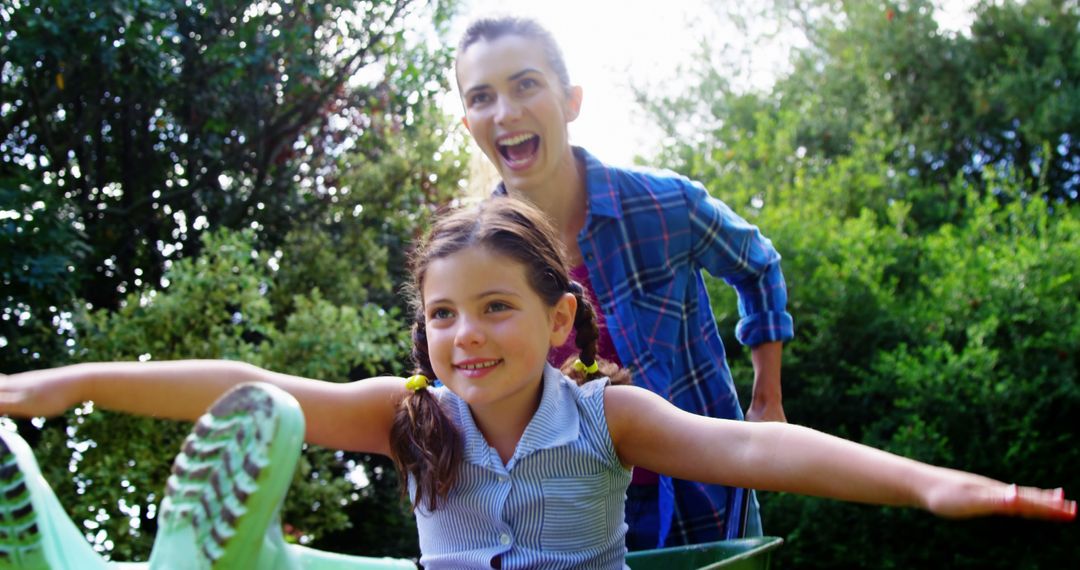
[734, 250]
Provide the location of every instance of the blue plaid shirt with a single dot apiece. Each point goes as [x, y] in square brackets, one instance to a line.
[647, 236]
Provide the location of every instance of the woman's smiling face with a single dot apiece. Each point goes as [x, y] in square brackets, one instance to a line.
[517, 108]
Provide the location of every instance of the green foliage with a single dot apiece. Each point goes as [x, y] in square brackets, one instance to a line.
[354, 250]
[38, 255]
[956, 348]
[389, 528]
[935, 104]
[216, 306]
[212, 303]
[924, 203]
[216, 180]
[1025, 89]
[150, 122]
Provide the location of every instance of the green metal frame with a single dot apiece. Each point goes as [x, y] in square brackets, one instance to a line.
[738, 554]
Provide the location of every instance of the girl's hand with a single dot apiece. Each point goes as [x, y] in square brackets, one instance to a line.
[39, 393]
[971, 499]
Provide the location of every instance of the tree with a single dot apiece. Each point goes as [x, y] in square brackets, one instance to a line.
[936, 103]
[215, 307]
[239, 302]
[216, 180]
[140, 125]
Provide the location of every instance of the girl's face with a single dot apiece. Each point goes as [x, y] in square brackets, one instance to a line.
[488, 332]
[517, 109]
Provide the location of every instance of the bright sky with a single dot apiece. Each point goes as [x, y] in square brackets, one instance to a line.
[611, 45]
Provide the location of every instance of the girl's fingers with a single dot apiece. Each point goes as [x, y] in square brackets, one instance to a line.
[1037, 503]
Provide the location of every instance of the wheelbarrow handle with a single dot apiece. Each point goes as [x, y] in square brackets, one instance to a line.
[740, 507]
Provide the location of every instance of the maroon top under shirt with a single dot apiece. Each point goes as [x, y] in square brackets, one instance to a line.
[605, 349]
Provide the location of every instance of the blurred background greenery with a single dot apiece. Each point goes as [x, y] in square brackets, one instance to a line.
[209, 179]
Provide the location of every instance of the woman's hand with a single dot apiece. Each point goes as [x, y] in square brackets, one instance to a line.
[39, 393]
[975, 496]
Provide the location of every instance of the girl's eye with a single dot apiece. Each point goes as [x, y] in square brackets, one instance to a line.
[497, 306]
[439, 314]
[527, 84]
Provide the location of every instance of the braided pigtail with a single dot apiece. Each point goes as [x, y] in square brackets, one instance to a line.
[587, 365]
[424, 442]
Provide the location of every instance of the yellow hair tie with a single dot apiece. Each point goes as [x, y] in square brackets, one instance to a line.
[416, 382]
[587, 369]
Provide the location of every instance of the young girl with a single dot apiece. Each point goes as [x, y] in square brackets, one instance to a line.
[638, 241]
[509, 463]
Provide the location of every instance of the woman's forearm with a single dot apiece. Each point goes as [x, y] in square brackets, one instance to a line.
[766, 402]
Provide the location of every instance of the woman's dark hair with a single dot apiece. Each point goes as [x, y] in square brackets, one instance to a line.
[424, 442]
[490, 29]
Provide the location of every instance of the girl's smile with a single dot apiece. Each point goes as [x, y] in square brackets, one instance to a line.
[477, 367]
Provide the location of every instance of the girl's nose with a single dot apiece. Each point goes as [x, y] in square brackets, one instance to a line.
[469, 332]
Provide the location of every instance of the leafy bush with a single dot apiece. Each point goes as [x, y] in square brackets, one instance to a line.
[925, 208]
[216, 306]
[957, 347]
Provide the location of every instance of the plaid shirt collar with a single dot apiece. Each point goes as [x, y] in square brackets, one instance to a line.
[603, 196]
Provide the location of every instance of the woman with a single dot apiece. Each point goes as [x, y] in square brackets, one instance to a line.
[638, 240]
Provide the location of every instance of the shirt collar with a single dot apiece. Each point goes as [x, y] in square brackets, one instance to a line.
[600, 187]
[556, 422]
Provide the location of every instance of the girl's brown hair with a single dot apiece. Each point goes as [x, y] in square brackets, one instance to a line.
[424, 442]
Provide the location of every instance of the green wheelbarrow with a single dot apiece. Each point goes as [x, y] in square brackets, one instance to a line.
[736, 554]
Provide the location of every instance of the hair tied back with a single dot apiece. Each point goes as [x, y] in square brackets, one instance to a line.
[417, 382]
[586, 368]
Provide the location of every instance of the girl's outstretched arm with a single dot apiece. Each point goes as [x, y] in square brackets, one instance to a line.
[354, 416]
[650, 432]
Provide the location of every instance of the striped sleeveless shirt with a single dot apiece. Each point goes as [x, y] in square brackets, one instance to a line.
[558, 502]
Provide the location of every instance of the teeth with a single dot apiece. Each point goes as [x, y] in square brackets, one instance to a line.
[517, 139]
[478, 366]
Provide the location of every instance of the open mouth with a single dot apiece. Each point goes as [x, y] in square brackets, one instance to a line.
[519, 149]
